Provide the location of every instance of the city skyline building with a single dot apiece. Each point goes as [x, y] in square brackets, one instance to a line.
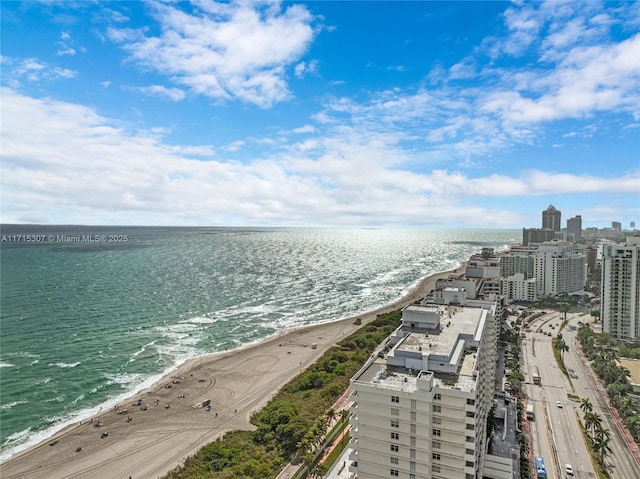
[552, 219]
[574, 228]
[537, 235]
[620, 308]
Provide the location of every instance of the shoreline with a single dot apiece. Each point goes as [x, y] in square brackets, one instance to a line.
[149, 442]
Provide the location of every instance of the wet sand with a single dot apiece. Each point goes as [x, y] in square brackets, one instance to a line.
[149, 443]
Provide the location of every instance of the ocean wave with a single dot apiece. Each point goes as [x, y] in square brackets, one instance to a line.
[6, 407]
[140, 351]
[65, 365]
[6, 365]
[201, 320]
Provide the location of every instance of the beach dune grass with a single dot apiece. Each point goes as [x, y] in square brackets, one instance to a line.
[291, 417]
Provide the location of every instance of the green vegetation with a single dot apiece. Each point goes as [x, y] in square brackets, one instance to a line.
[597, 438]
[559, 348]
[603, 351]
[525, 465]
[294, 422]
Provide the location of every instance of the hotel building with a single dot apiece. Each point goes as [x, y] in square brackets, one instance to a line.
[421, 403]
[620, 307]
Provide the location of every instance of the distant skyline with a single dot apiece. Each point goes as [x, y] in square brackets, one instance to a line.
[447, 114]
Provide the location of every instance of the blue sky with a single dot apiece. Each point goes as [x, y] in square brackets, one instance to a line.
[466, 114]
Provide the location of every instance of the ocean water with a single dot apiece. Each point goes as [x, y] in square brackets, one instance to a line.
[87, 317]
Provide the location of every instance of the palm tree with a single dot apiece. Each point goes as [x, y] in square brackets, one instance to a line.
[344, 414]
[560, 345]
[331, 414]
[602, 448]
[586, 405]
[603, 432]
[592, 421]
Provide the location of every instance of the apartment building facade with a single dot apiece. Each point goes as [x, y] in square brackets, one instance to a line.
[420, 406]
[559, 271]
[620, 306]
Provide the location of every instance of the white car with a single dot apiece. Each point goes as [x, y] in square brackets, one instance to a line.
[559, 404]
[569, 469]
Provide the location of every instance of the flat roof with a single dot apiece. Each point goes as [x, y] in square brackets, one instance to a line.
[458, 327]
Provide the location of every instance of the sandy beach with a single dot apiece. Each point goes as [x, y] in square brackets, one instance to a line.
[153, 437]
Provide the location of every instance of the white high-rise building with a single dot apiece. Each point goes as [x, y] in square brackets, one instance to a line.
[420, 406]
[518, 288]
[620, 307]
[559, 271]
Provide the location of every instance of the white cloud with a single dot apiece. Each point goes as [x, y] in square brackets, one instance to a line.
[173, 94]
[226, 50]
[304, 129]
[65, 162]
[16, 71]
[303, 68]
[65, 47]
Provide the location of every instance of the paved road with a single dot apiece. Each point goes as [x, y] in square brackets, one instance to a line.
[555, 431]
[622, 464]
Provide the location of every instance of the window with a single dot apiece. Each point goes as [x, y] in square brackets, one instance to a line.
[394, 448]
[395, 423]
[395, 399]
[414, 416]
[395, 411]
[471, 414]
[437, 396]
[413, 429]
[435, 456]
[413, 404]
[436, 408]
[470, 439]
[435, 468]
[469, 464]
[436, 432]
[394, 472]
[436, 444]
[395, 435]
[471, 427]
[395, 460]
[436, 420]
[470, 452]
[471, 402]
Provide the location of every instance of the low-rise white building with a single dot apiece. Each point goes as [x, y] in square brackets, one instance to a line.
[420, 407]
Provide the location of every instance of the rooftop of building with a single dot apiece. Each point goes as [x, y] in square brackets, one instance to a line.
[451, 344]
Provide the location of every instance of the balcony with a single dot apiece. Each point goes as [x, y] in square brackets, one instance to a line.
[353, 467]
[353, 420]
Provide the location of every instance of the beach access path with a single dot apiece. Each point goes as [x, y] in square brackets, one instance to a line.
[147, 444]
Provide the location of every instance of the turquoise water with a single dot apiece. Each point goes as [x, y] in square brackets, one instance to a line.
[85, 324]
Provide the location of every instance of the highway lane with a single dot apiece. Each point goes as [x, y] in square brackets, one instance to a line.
[556, 434]
[621, 463]
[541, 445]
